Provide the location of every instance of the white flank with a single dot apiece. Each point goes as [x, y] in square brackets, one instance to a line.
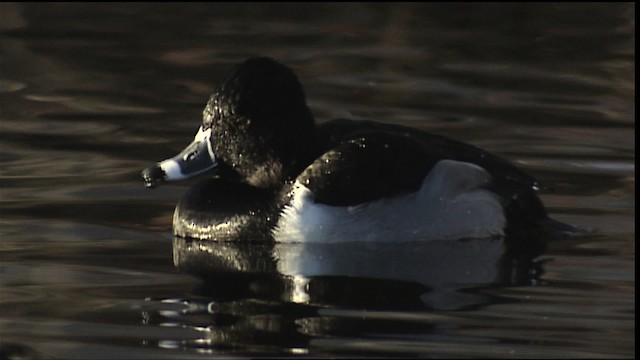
[449, 205]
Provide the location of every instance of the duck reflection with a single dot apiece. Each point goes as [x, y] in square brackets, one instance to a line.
[438, 274]
[279, 297]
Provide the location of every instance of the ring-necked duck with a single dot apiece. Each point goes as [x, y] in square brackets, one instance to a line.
[278, 176]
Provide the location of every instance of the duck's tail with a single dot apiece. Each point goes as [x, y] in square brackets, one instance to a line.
[559, 229]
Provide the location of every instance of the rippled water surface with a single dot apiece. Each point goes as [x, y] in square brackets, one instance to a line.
[91, 94]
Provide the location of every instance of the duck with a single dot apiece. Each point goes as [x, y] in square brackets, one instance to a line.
[270, 173]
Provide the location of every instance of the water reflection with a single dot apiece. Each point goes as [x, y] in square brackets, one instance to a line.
[278, 297]
[434, 274]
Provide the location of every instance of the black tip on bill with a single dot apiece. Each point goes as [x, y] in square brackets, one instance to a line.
[152, 176]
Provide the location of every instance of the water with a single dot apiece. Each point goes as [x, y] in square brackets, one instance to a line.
[92, 93]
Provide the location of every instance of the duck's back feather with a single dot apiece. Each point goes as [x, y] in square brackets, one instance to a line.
[366, 161]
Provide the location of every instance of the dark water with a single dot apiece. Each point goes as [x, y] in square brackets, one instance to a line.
[90, 94]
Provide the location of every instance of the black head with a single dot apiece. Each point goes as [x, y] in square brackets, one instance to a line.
[260, 123]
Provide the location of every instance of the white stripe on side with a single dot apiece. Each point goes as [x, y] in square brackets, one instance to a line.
[449, 205]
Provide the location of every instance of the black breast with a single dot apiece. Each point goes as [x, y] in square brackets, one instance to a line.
[223, 210]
